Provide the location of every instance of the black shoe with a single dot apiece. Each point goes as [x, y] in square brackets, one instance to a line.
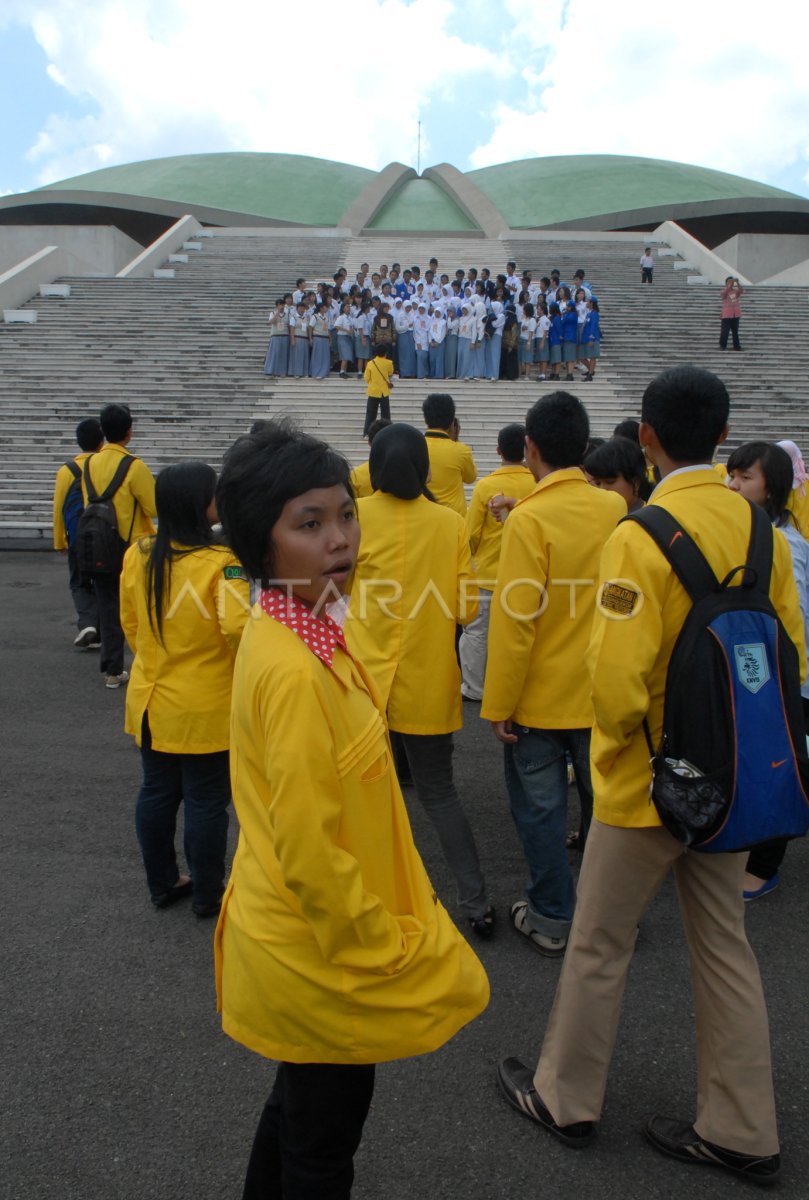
[517, 1083]
[206, 910]
[680, 1140]
[483, 926]
[183, 887]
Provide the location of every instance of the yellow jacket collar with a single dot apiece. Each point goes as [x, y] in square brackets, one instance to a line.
[563, 475]
[687, 479]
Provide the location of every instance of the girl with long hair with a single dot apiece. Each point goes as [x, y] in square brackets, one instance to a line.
[184, 603]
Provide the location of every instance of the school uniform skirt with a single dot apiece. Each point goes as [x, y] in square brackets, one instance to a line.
[526, 351]
[493, 356]
[437, 366]
[299, 357]
[345, 347]
[592, 349]
[555, 354]
[451, 355]
[277, 360]
[569, 352]
[320, 360]
[540, 351]
[422, 363]
[362, 347]
[465, 367]
[407, 354]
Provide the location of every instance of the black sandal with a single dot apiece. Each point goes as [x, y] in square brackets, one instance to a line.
[574, 841]
[483, 927]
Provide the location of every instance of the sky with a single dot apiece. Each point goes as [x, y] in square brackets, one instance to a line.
[91, 83]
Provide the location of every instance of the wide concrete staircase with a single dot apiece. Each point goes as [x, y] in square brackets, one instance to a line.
[187, 354]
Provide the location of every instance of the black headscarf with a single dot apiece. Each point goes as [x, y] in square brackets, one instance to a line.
[399, 462]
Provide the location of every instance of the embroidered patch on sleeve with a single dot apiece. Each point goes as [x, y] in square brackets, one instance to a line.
[619, 599]
[235, 572]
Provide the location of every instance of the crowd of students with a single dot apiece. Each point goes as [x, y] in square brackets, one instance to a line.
[345, 680]
[470, 326]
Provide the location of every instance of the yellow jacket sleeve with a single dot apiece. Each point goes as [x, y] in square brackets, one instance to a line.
[351, 926]
[142, 487]
[512, 623]
[469, 471]
[626, 648]
[60, 490]
[468, 599]
[475, 517]
[233, 603]
[128, 604]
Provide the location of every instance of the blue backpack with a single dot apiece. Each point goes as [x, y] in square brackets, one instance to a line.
[73, 505]
[731, 770]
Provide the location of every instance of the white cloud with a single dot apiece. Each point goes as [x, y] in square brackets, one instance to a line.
[696, 82]
[163, 77]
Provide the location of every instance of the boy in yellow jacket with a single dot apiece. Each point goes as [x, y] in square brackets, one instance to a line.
[451, 461]
[536, 692]
[90, 439]
[640, 612]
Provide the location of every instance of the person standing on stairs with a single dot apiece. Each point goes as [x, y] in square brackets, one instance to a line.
[732, 293]
[276, 360]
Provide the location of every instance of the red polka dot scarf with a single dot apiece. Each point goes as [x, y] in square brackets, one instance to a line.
[319, 632]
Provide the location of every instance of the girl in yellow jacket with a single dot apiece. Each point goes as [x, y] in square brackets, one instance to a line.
[184, 602]
[413, 582]
[332, 950]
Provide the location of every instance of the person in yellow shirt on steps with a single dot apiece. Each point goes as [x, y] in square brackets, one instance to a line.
[451, 461]
[377, 375]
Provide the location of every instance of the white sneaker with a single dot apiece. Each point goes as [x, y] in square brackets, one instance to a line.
[115, 681]
[550, 947]
[88, 637]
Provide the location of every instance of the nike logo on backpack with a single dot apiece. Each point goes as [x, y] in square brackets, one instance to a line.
[780, 763]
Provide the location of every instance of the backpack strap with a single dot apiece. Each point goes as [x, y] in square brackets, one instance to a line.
[112, 487]
[74, 468]
[679, 548]
[760, 550]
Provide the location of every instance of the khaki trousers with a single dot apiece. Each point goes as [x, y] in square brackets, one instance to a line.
[621, 873]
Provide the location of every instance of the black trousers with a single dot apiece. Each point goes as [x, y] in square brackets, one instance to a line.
[730, 325]
[309, 1132]
[375, 403]
[107, 592]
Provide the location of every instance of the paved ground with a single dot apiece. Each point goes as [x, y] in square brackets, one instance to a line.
[118, 1083]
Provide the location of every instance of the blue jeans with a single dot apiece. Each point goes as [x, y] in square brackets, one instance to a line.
[536, 781]
[202, 782]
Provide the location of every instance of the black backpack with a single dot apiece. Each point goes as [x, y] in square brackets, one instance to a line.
[731, 769]
[73, 504]
[100, 548]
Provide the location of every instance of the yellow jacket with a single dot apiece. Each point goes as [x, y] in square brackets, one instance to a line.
[484, 532]
[361, 480]
[134, 501]
[184, 683]
[412, 583]
[451, 466]
[629, 655]
[377, 375]
[332, 946]
[539, 629]
[64, 478]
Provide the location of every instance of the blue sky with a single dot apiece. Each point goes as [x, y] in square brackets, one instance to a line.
[91, 83]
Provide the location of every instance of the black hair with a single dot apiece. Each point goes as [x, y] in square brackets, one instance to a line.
[376, 426]
[619, 456]
[528, 310]
[439, 410]
[183, 495]
[776, 467]
[511, 442]
[629, 428]
[116, 422]
[400, 462]
[687, 407]
[298, 282]
[559, 427]
[260, 473]
[593, 443]
[89, 433]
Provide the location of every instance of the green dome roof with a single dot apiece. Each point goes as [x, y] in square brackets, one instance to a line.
[283, 187]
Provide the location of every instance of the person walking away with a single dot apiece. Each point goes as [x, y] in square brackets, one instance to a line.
[451, 461]
[639, 615]
[378, 382]
[68, 505]
[184, 603]
[133, 502]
